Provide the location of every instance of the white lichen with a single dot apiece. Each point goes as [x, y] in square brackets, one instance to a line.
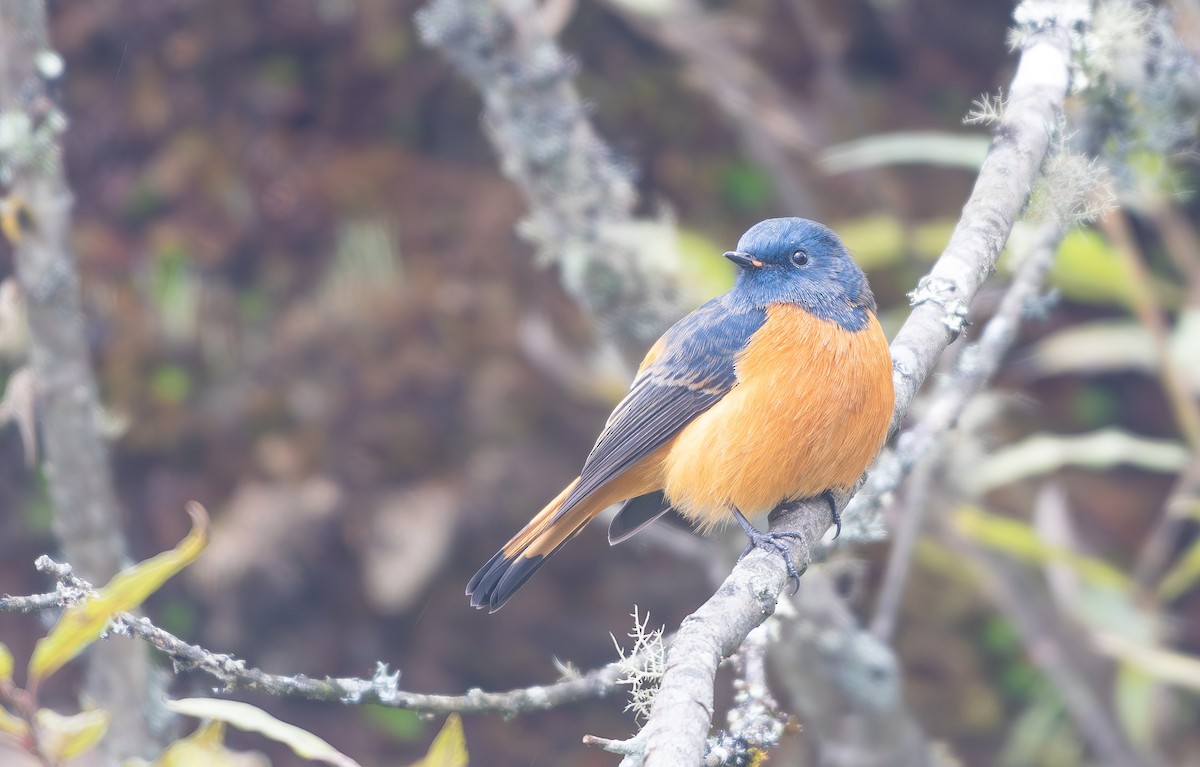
[643, 664]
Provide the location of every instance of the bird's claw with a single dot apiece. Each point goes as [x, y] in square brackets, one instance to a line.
[773, 540]
[833, 512]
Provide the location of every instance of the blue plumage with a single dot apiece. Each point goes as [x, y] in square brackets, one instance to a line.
[804, 263]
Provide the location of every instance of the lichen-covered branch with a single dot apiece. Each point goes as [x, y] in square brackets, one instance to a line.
[581, 197]
[382, 688]
[682, 714]
[87, 518]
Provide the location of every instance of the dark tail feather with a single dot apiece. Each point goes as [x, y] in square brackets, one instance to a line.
[521, 557]
[502, 576]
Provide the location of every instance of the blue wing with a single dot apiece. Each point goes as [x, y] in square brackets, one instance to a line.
[693, 370]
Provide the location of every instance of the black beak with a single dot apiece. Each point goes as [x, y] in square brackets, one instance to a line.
[744, 260]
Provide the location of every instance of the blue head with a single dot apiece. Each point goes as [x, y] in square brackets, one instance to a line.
[797, 261]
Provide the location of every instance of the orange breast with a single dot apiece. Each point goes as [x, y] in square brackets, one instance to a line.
[808, 414]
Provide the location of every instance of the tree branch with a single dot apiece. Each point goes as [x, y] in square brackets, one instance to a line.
[382, 688]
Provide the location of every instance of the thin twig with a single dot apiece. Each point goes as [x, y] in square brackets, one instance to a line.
[904, 542]
[1150, 315]
[1180, 242]
[34, 603]
[975, 367]
[1181, 505]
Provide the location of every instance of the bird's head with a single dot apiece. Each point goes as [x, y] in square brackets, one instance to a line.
[797, 261]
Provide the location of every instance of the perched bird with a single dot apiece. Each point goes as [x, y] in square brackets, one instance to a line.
[779, 389]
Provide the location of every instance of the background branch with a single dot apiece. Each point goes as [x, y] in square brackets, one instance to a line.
[581, 198]
[87, 517]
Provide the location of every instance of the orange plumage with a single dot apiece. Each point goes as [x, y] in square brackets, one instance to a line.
[778, 390]
[776, 437]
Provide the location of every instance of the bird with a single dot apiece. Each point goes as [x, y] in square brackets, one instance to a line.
[777, 390]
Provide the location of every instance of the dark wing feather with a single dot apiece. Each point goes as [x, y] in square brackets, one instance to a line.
[693, 371]
[635, 514]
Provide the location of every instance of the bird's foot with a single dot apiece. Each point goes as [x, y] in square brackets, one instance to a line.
[773, 540]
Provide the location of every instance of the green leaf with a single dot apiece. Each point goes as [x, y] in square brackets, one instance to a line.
[875, 241]
[880, 241]
[745, 187]
[1099, 450]
[253, 719]
[398, 723]
[81, 624]
[13, 726]
[171, 383]
[1167, 666]
[1088, 270]
[703, 271]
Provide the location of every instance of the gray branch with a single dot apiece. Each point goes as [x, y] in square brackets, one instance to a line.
[87, 516]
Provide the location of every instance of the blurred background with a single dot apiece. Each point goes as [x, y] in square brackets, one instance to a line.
[310, 311]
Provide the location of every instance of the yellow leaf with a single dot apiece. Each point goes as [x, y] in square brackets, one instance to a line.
[6, 663]
[449, 748]
[63, 738]
[13, 725]
[253, 719]
[14, 218]
[875, 241]
[1088, 270]
[206, 748]
[1019, 540]
[81, 624]
[702, 270]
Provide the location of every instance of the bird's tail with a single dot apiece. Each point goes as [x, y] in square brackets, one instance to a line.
[521, 557]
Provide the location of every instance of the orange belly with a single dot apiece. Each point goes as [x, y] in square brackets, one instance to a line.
[809, 412]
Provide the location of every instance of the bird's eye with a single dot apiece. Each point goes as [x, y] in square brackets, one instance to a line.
[800, 258]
